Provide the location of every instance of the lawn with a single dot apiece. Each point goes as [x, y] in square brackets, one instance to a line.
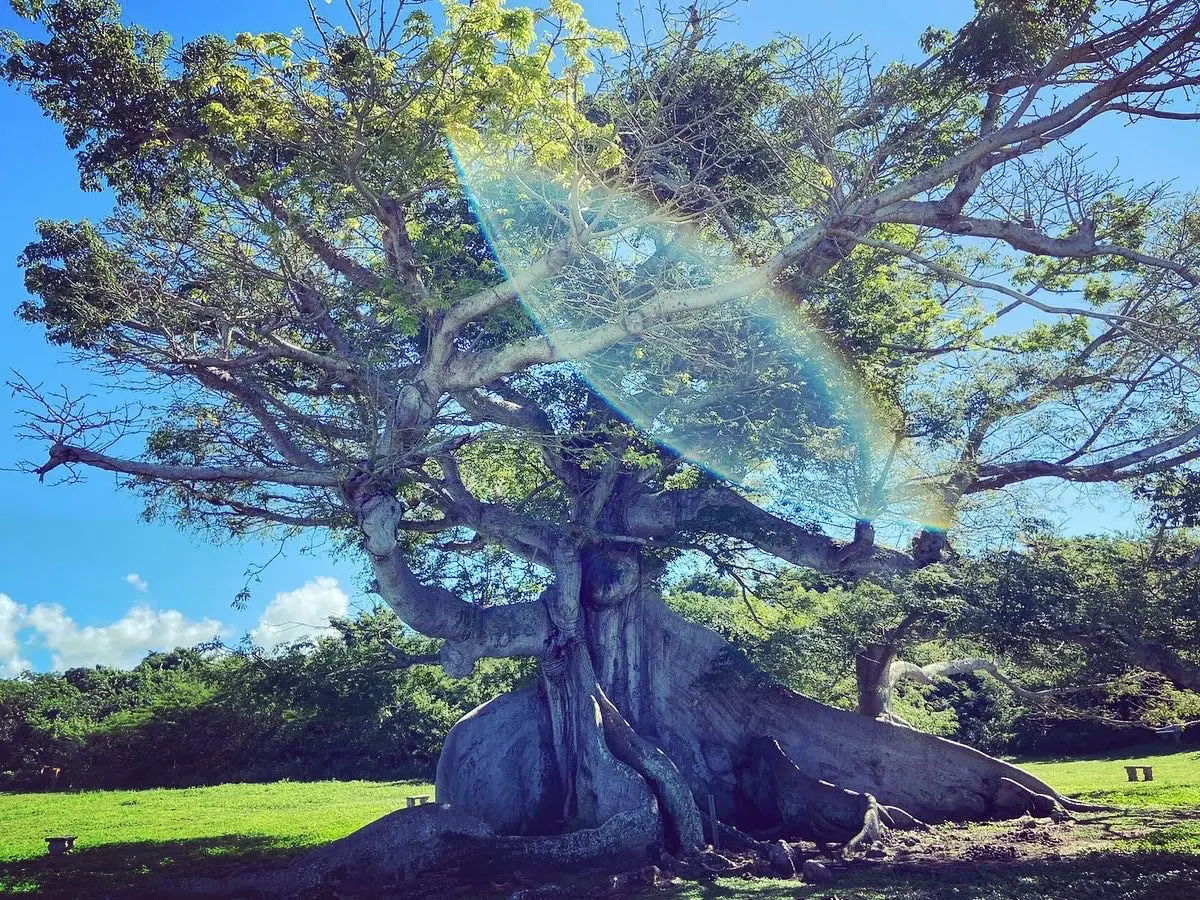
[127, 835]
[1102, 779]
[1150, 851]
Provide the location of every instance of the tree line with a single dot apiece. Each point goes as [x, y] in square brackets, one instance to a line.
[1055, 645]
[1037, 649]
[343, 707]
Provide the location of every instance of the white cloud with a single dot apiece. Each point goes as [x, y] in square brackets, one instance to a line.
[302, 613]
[291, 616]
[137, 582]
[12, 616]
[122, 643]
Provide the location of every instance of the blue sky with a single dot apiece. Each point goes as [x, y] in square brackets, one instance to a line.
[84, 580]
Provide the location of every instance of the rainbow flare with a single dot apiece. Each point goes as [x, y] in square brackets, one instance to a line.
[856, 460]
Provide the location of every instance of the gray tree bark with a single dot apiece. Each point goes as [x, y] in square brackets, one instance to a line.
[711, 724]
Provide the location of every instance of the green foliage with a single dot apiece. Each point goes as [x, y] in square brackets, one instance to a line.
[334, 709]
[805, 630]
[1010, 37]
[917, 705]
[986, 715]
[1174, 498]
[1102, 589]
[78, 287]
[114, 94]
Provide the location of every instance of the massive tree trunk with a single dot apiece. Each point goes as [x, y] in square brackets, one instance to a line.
[639, 717]
[637, 722]
[647, 711]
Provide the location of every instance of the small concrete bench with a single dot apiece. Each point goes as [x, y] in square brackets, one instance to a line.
[419, 800]
[57, 846]
[1147, 772]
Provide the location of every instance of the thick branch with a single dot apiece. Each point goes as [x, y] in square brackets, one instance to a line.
[492, 298]
[63, 455]
[719, 510]
[1138, 464]
[471, 632]
[1081, 245]
[900, 669]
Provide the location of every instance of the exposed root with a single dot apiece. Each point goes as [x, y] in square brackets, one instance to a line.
[595, 784]
[400, 845]
[633, 834]
[901, 819]
[683, 829]
[871, 831]
[1072, 805]
[1012, 799]
[804, 806]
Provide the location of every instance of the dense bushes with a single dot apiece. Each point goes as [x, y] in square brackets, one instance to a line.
[336, 709]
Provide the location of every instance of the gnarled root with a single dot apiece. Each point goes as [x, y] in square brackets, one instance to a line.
[400, 845]
[683, 830]
[895, 817]
[782, 795]
[384, 858]
[1012, 799]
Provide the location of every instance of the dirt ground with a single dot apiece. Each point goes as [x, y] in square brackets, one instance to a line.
[902, 854]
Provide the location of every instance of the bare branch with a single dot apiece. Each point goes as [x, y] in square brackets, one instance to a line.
[64, 455]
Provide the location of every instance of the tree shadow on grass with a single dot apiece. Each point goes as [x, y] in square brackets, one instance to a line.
[132, 869]
[1094, 876]
[136, 870]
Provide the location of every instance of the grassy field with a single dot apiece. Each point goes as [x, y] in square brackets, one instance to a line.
[1151, 851]
[125, 836]
[1102, 779]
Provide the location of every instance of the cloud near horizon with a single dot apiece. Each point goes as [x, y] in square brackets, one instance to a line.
[11, 616]
[291, 616]
[122, 643]
[302, 613]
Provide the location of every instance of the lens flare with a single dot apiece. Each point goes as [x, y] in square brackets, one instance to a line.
[753, 392]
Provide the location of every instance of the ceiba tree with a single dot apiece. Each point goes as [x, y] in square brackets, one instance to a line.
[486, 289]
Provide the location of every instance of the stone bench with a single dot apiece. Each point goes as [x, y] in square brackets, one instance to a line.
[418, 800]
[57, 846]
[1147, 772]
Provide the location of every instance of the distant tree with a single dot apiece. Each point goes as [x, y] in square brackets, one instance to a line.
[1117, 603]
[475, 298]
[1057, 621]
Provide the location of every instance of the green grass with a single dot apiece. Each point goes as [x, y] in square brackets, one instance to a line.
[124, 836]
[1102, 779]
[127, 836]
